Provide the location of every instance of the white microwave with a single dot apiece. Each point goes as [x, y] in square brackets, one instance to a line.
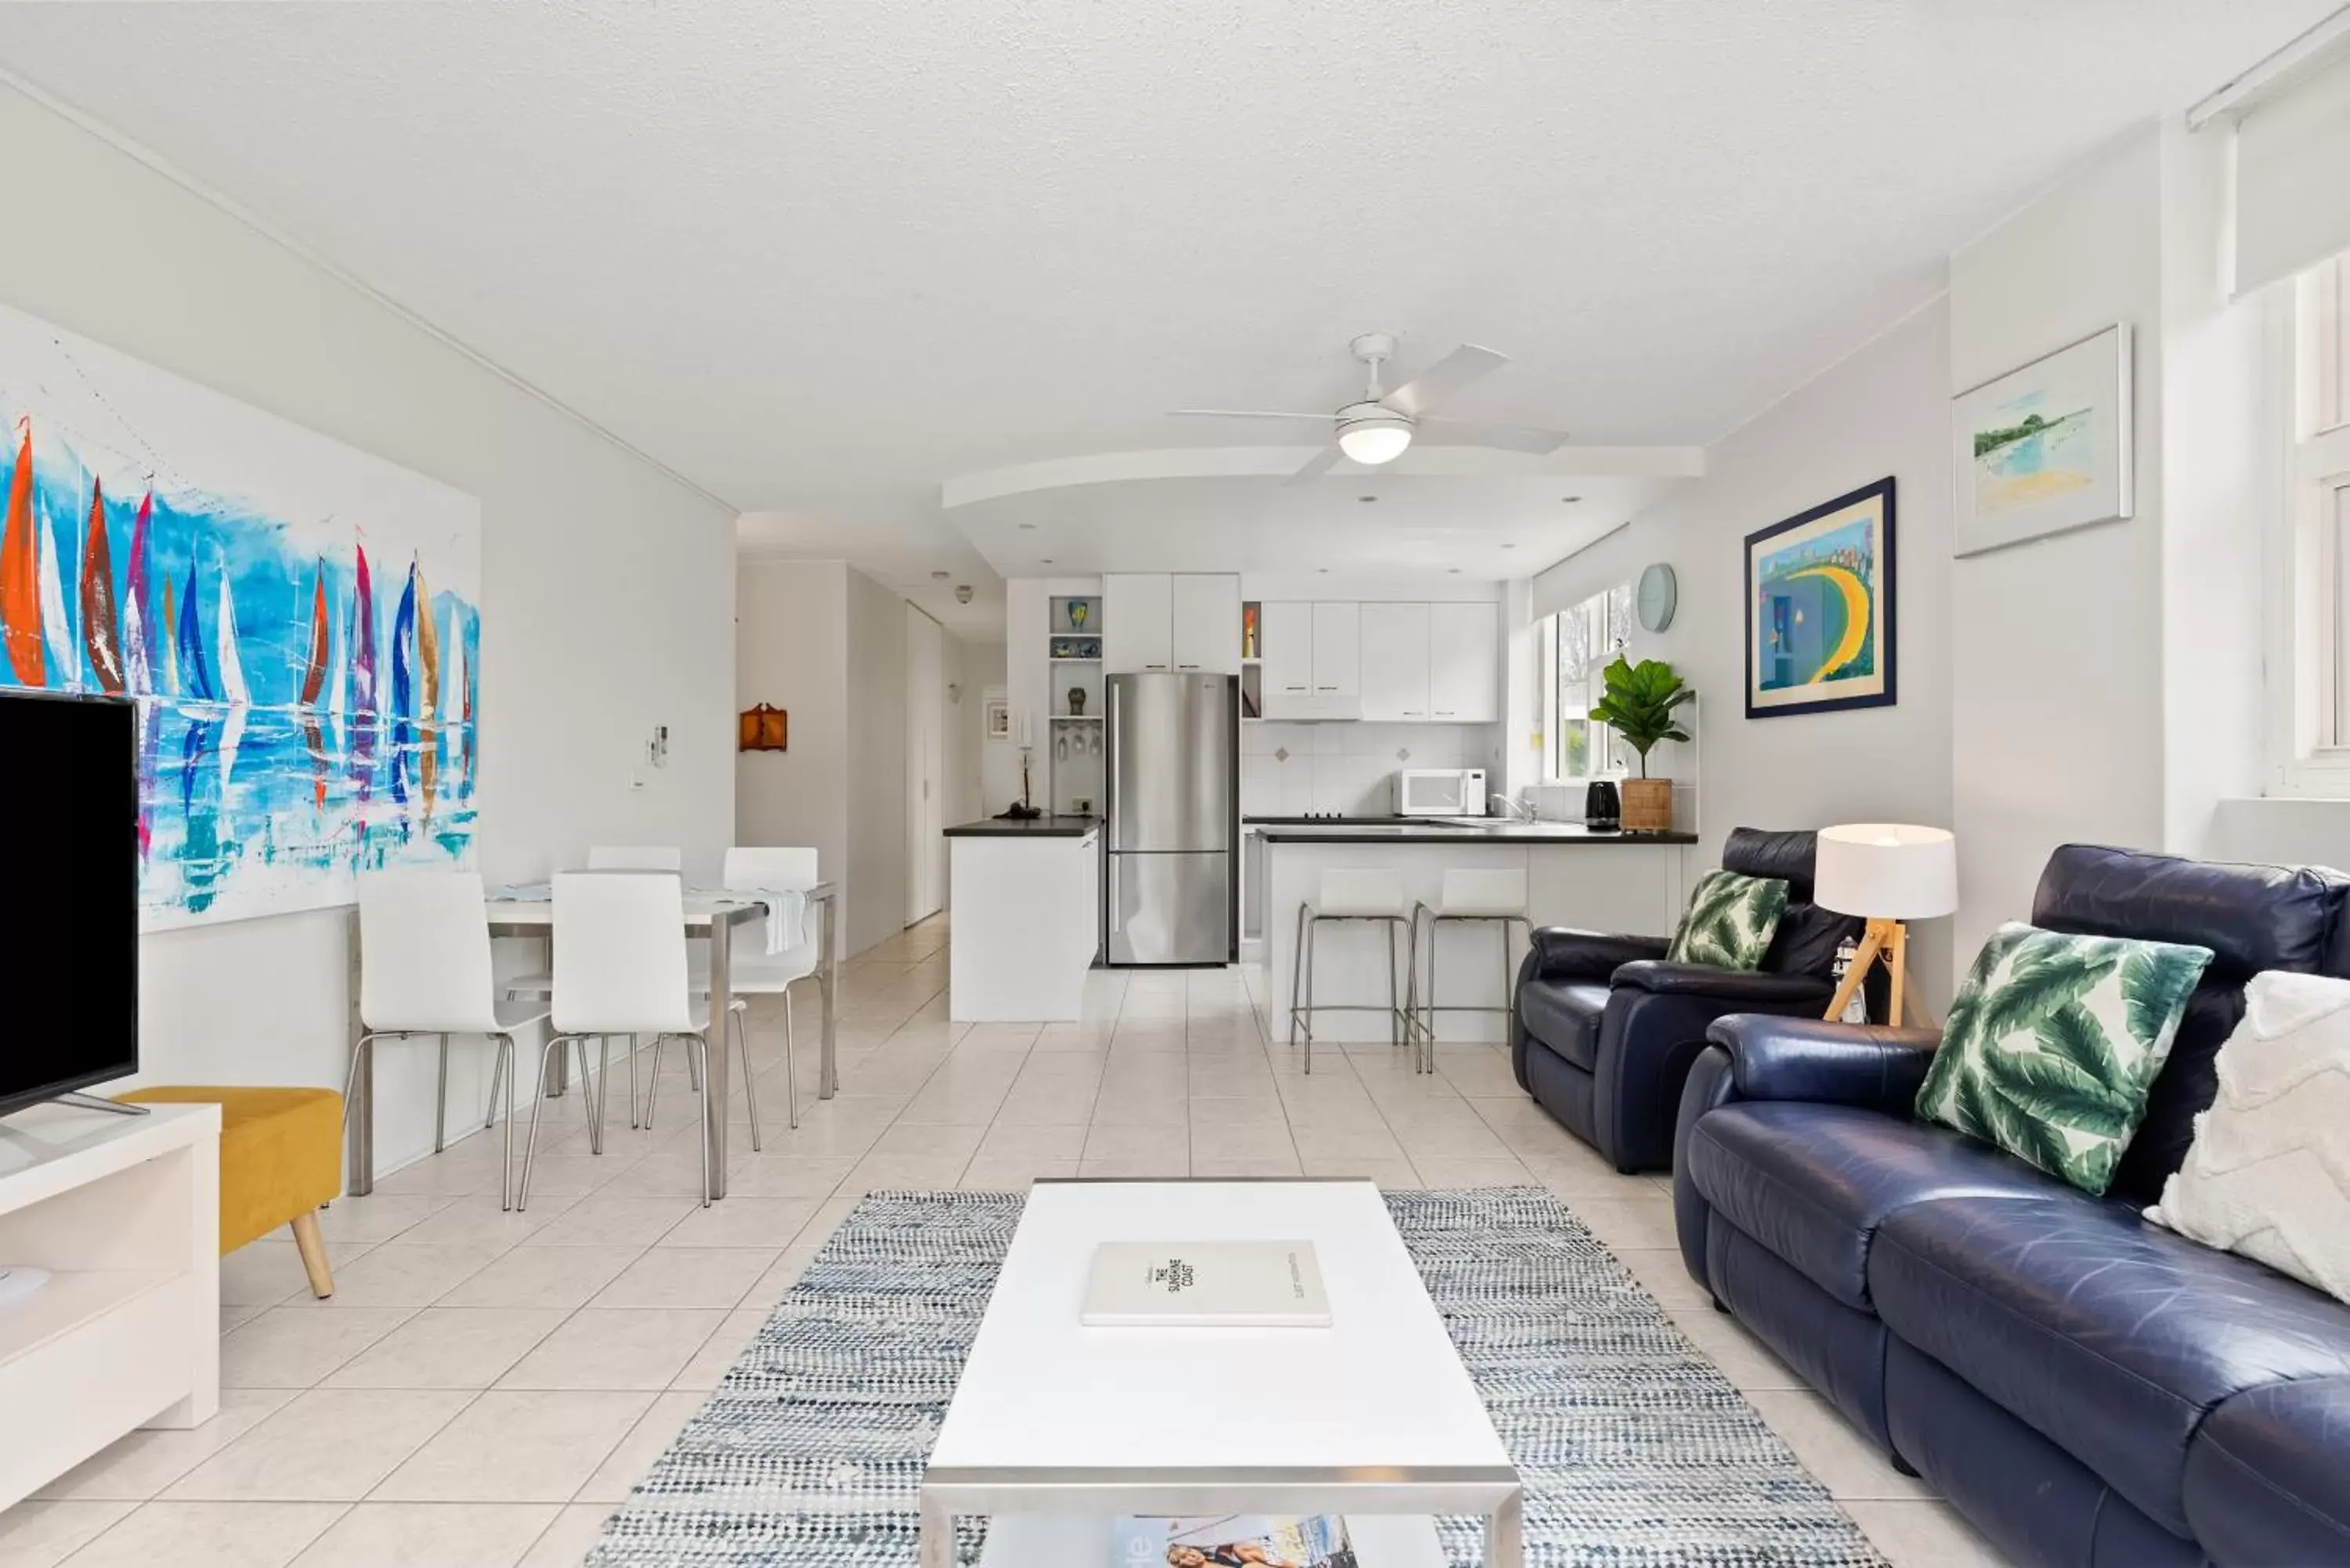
[1440, 792]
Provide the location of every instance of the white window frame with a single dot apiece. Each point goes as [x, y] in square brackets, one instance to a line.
[1611, 761]
[2308, 598]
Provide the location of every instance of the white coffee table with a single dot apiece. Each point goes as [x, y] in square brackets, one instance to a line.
[1374, 1415]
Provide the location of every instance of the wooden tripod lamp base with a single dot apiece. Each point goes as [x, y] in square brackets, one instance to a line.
[1886, 940]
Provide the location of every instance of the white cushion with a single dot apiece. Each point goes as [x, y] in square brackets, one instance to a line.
[2268, 1176]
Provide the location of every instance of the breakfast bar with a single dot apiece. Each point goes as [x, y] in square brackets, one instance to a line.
[1575, 875]
[1027, 905]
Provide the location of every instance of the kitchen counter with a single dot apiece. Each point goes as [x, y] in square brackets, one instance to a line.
[1456, 830]
[1031, 827]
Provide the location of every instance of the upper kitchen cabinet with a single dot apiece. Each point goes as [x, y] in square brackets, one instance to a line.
[1137, 626]
[1339, 654]
[1463, 646]
[1206, 622]
[1313, 659]
[1188, 622]
[1395, 662]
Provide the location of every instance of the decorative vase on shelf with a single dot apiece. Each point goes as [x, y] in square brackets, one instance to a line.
[1079, 610]
[1077, 701]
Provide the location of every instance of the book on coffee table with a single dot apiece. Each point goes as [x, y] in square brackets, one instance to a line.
[1205, 1284]
[1254, 1540]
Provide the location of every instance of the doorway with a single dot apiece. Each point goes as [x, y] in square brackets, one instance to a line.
[926, 704]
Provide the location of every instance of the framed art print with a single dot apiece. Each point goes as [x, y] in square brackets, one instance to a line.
[1819, 608]
[2045, 448]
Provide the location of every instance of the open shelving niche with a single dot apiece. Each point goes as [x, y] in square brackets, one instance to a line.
[1075, 748]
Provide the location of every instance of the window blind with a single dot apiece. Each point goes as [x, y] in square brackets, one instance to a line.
[2292, 178]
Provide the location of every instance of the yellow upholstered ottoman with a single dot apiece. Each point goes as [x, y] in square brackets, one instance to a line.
[281, 1160]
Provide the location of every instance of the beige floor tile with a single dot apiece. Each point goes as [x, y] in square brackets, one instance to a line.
[566, 1542]
[910, 1172]
[1019, 1143]
[690, 1276]
[294, 1347]
[40, 1534]
[1372, 1140]
[399, 1273]
[1388, 1171]
[1642, 1220]
[1924, 1534]
[267, 1271]
[1010, 1174]
[1745, 1360]
[443, 1534]
[788, 1176]
[329, 1445]
[645, 1443]
[1451, 1171]
[534, 1276]
[612, 1220]
[1261, 1110]
[1236, 1166]
[1845, 1462]
[377, 1217]
[600, 1347]
[769, 1224]
[450, 1347]
[927, 1142]
[1159, 1140]
[1663, 1274]
[1053, 1104]
[517, 1446]
[720, 1350]
[209, 1535]
[781, 1277]
[1448, 1138]
[1165, 1163]
[141, 1464]
[476, 1220]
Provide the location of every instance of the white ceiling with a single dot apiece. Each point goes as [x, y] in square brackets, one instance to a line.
[823, 256]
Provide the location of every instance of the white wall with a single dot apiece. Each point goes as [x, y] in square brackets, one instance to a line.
[1882, 410]
[606, 586]
[791, 631]
[874, 894]
[987, 774]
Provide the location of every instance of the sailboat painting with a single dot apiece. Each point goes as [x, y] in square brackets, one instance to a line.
[295, 623]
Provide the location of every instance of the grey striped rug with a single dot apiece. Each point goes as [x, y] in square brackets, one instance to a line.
[1635, 1451]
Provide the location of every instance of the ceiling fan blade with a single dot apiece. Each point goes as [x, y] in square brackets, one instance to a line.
[1438, 430]
[1322, 463]
[1444, 379]
[1251, 414]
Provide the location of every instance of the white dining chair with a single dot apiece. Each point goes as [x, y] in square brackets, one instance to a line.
[424, 970]
[755, 971]
[619, 968]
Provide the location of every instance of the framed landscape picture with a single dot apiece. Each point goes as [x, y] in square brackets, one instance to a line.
[1819, 608]
[2045, 448]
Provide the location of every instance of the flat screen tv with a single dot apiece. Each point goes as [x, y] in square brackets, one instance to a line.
[68, 895]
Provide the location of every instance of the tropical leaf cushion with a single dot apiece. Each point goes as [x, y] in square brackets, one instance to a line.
[1730, 920]
[2052, 1042]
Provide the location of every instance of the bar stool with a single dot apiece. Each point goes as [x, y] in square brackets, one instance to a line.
[1466, 896]
[1350, 896]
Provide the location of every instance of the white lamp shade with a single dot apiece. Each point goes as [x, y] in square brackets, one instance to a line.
[1374, 441]
[1886, 871]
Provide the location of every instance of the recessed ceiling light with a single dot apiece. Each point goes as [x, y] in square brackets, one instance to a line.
[1043, 560]
[1027, 527]
[1324, 570]
[1570, 500]
[1509, 545]
[938, 576]
[1367, 498]
[1454, 570]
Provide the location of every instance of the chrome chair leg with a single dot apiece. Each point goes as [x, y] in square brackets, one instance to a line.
[1395, 1018]
[1312, 940]
[699, 1045]
[1297, 971]
[440, 1101]
[548, 1054]
[791, 1066]
[652, 1088]
[735, 1022]
[590, 1097]
[498, 1063]
[636, 1042]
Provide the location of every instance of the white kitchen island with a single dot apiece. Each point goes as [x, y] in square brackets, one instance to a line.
[1602, 881]
[1028, 919]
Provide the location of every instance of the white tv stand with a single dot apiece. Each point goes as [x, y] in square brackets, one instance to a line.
[124, 1214]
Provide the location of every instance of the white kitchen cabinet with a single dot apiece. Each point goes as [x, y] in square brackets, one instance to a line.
[1338, 652]
[1464, 663]
[1395, 662]
[1205, 622]
[1137, 626]
[1285, 643]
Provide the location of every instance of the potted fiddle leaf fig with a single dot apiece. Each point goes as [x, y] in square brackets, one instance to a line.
[1639, 705]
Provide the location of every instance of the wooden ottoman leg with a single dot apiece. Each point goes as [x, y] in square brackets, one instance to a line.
[313, 1248]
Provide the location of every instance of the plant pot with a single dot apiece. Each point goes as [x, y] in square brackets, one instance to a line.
[1647, 805]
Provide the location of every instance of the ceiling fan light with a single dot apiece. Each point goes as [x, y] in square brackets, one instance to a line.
[1376, 439]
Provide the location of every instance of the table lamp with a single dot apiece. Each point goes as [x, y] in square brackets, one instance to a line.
[1887, 873]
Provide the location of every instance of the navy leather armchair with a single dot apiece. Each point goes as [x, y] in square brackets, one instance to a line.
[2088, 1388]
[1607, 1029]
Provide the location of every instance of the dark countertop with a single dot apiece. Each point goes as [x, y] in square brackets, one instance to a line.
[1430, 830]
[1034, 828]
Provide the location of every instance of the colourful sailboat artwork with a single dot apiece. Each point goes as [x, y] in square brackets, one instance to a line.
[215, 567]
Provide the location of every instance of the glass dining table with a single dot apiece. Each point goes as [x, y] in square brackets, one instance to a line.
[529, 913]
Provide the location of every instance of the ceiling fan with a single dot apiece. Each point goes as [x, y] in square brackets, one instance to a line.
[1380, 425]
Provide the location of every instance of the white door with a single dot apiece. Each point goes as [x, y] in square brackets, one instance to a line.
[1395, 662]
[1206, 622]
[926, 766]
[1337, 650]
[1137, 633]
[1286, 642]
[1464, 663]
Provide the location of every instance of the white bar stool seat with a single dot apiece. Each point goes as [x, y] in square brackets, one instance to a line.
[1367, 896]
[1466, 896]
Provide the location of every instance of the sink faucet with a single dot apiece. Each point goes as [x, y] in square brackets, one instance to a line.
[1514, 808]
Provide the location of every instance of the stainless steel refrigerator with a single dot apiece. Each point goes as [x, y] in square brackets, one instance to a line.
[1173, 800]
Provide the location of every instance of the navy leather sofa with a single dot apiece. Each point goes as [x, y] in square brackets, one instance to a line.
[2088, 1388]
[1607, 1029]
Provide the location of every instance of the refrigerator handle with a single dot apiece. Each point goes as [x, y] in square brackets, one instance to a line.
[1110, 770]
[1113, 892]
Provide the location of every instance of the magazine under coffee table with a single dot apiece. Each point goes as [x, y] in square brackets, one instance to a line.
[1373, 1415]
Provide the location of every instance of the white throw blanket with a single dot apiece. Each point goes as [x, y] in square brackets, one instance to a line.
[2268, 1176]
[786, 916]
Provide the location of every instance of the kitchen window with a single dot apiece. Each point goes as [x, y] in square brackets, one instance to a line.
[1578, 643]
[2309, 707]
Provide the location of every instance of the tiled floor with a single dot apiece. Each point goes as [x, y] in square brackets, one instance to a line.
[483, 1387]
